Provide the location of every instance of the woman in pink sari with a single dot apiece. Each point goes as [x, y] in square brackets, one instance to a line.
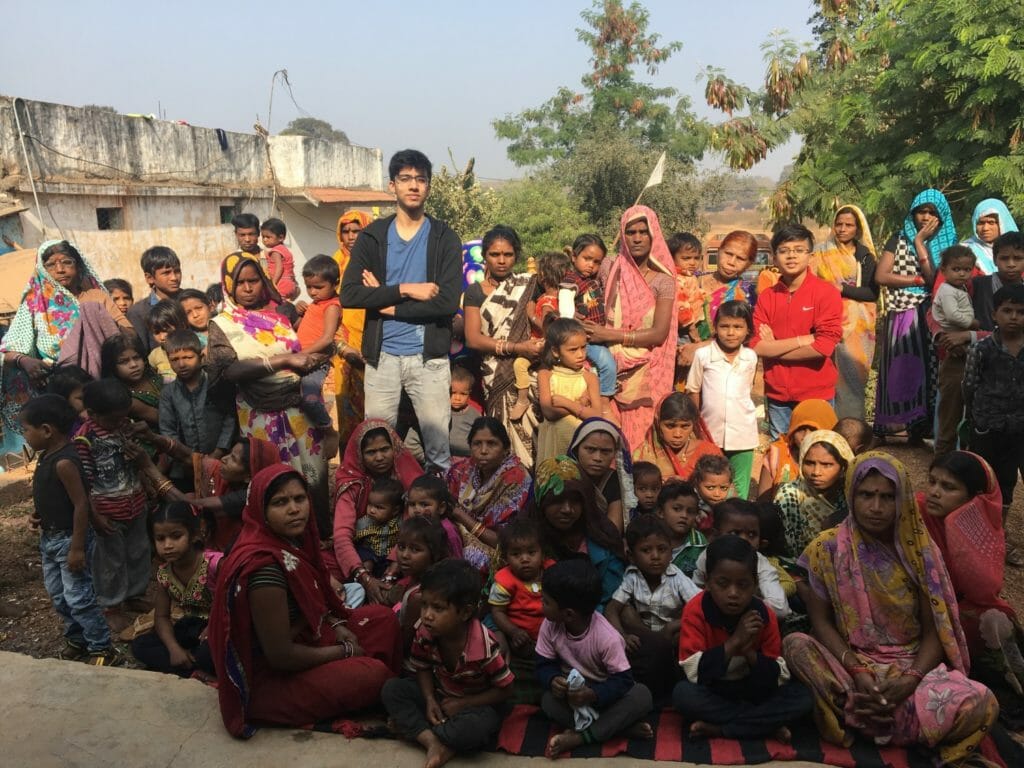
[640, 304]
[888, 657]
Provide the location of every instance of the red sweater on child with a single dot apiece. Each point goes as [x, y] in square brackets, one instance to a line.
[816, 307]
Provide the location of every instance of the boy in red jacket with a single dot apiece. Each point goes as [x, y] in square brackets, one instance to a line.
[735, 682]
[797, 324]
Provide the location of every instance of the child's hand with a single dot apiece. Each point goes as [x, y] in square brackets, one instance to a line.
[101, 524]
[34, 521]
[76, 559]
[520, 639]
[559, 687]
[301, 307]
[748, 629]
[138, 430]
[435, 714]
[452, 706]
[180, 657]
[136, 453]
[632, 643]
[582, 697]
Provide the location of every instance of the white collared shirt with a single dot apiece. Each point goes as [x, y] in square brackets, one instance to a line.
[725, 403]
[661, 605]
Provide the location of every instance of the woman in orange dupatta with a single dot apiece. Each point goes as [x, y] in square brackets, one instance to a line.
[641, 307]
[963, 511]
[677, 438]
[348, 364]
[847, 261]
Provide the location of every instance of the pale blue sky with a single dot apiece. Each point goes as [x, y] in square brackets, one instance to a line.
[427, 75]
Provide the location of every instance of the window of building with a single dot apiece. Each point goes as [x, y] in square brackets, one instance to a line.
[227, 213]
[110, 218]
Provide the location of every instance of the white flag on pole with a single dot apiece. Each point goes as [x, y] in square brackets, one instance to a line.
[657, 173]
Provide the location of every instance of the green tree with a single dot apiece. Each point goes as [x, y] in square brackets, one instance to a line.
[314, 128]
[612, 98]
[541, 210]
[458, 199]
[897, 96]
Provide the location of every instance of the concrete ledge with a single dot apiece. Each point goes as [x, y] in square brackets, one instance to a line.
[58, 713]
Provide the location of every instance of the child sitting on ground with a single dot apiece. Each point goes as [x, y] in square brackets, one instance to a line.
[858, 434]
[645, 609]
[712, 479]
[646, 486]
[736, 683]
[454, 704]
[739, 517]
[61, 514]
[120, 293]
[428, 495]
[551, 269]
[377, 530]
[280, 262]
[773, 546]
[566, 391]
[191, 412]
[421, 545]
[121, 556]
[317, 334]
[587, 253]
[678, 507]
[185, 579]
[589, 689]
[515, 597]
[198, 311]
[165, 317]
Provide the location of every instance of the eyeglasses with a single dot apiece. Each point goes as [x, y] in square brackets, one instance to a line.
[405, 180]
[792, 251]
[58, 263]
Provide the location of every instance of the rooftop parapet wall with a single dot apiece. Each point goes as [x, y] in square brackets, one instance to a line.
[66, 143]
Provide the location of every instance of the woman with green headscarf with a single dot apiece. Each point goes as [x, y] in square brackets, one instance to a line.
[905, 393]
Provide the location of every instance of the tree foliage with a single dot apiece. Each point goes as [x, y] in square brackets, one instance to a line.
[542, 212]
[611, 99]
[314, 128]
[457, 198]
[894, 97]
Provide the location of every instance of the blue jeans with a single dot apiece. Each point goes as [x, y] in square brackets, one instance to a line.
[428, 384]
[779, 414]
[72, 593]
[604, 362]
[311, 385]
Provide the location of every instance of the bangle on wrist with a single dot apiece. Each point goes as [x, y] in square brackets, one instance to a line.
[860, 669]
[913, 672]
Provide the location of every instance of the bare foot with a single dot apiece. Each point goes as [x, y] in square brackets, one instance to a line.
[783, 734]
[641, 730]
[519, 408]
[701, 730]
[330, 443]
[563, 742]
[438, 753]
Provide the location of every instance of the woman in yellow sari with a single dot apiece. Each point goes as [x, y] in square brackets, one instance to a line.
[348, 364]
[847, 261]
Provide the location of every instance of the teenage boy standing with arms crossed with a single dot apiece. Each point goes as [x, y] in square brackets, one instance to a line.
[406, 271]
[797, 324]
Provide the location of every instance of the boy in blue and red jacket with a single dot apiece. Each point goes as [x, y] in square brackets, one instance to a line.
[735, 681]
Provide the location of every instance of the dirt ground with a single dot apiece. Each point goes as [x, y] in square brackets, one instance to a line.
[38, 633]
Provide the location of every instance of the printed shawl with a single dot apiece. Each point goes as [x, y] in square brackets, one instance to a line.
[231, 634]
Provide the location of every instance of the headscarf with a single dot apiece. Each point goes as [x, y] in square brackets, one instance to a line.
[47, 311]
[814, 413]
[973, 543]
[263, 325]
[816, 511]
[836, 263]
[231, 634]
[944, 237]
[857, 610]
[629, 302]
[654, 450]
[623, 461]
[561, 474]
[354, 479]
[982, 250]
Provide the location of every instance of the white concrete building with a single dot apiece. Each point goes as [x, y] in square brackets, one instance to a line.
[117, 184]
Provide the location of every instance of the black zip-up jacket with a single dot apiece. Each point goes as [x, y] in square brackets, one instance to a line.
[444, 267]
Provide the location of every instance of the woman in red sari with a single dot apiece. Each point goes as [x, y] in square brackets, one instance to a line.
[286, 651]
[375, 450]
